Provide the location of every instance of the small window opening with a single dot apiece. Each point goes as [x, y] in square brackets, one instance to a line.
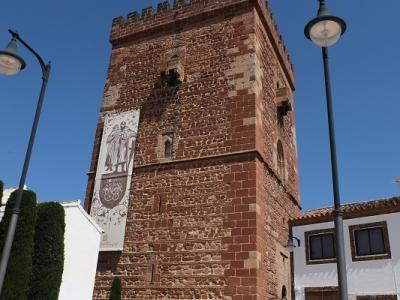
[168, 149]
[174, 72]
[284, 293]
[152, 273]
[281, 161]
[157, 204]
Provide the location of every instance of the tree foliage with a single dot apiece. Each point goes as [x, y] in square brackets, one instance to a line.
[19, 269]
[48, 258]
[116, 289]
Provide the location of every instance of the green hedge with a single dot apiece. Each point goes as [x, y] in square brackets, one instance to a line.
[48, 258]
[116, 289]
[19, 270]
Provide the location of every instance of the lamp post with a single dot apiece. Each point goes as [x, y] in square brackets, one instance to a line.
[325, 30]
[10, 64]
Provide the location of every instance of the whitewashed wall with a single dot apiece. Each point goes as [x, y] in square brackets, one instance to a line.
[364, 277]
[6, 195]
[82, 243]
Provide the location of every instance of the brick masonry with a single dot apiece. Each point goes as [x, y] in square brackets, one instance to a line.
[211, 221]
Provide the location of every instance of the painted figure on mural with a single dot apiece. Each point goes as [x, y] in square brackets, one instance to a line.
[119, 148]
[112, 148]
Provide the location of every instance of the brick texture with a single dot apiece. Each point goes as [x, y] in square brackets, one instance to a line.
[211, 222]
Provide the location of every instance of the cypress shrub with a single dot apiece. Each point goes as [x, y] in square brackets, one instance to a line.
[116, 289]
[19, 269]
[48, 258]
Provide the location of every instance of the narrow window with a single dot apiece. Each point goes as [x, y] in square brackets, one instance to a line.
[284, 293]
[157, 203]
[165, 144]
[168, 149]
[152, 273]
[281, 161]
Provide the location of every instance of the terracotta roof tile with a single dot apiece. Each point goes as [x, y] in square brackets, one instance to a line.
[350, 210]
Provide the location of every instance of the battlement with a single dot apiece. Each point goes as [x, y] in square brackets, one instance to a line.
[167, 16]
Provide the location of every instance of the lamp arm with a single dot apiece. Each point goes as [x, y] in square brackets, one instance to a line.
[41, 61]
[297, 240]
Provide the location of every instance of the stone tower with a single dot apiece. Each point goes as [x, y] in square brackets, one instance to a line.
[214, 177]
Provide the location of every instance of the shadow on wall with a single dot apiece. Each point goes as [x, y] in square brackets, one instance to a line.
[165, 92]
[108, 261]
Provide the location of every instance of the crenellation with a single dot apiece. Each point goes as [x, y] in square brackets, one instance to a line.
[180, 3]
[133, 16]
[147, 12]
[163, 7]
[151, 19]
[117, 23]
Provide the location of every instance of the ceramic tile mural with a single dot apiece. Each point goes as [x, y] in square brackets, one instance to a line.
[113, 177]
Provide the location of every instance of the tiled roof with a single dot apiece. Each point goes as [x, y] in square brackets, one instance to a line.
[350, 210]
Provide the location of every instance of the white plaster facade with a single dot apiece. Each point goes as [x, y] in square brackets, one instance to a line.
[4, 199]
[370, 277]
[82, 244]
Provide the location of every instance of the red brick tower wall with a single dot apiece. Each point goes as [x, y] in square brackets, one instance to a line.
[210, 222]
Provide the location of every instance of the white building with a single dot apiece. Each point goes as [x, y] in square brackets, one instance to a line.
[372, 246]
[81, 249]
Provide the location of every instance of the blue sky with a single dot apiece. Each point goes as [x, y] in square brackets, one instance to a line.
[74, 36]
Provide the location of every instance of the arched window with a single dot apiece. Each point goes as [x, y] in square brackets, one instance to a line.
[280, 161]
[284, 293]
[168, 149]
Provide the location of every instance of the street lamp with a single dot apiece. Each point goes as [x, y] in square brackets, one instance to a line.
[10, 64]
[325, 30]
[290, 243]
